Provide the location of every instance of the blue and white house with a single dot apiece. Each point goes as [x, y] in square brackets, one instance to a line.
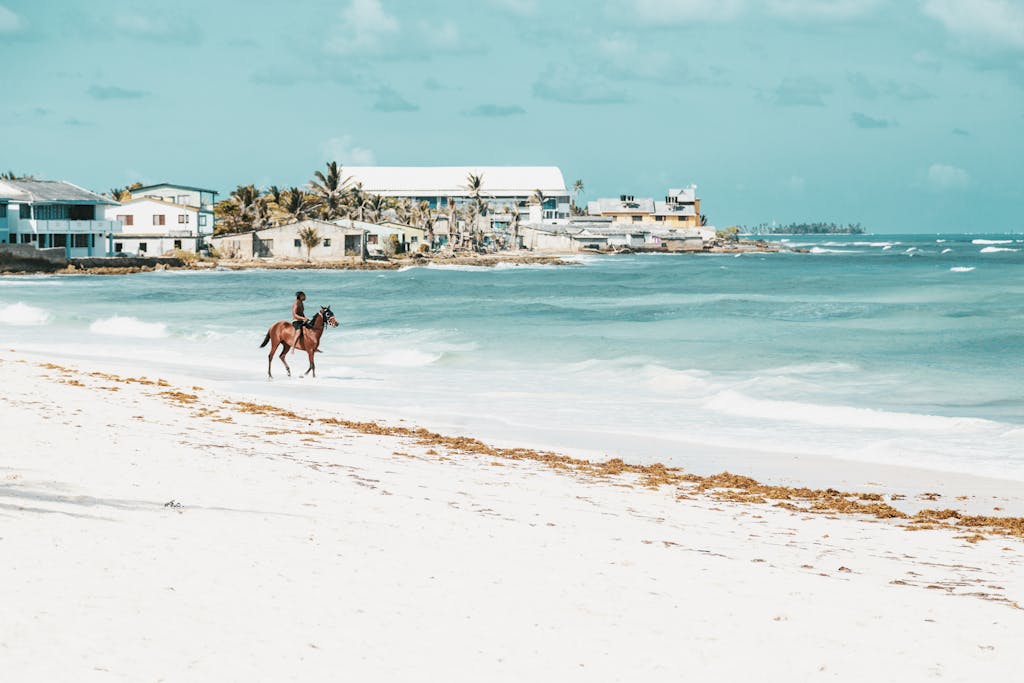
[54, 213]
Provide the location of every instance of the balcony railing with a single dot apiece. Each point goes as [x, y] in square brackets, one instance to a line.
[66, 226]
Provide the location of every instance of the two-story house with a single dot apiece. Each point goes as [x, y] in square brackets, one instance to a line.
[54, 213]
[162, 218]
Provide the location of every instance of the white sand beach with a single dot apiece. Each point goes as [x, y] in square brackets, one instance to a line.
[158, 530]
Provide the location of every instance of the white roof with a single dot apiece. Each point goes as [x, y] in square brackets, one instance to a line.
[429, 181]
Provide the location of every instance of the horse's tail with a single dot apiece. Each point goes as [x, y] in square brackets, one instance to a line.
[266, 340]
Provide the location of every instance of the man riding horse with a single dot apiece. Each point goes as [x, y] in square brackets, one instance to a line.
[301, 333]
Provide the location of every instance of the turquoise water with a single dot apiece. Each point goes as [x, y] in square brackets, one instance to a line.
[896, 349]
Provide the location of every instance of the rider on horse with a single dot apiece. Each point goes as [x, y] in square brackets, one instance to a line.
[299, 319]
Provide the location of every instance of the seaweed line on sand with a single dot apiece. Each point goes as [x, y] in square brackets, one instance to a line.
[724, 486]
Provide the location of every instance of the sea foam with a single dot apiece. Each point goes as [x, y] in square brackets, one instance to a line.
[993, 250]
[961, 269]
[991, 241]
[122, 326]
[22, 314]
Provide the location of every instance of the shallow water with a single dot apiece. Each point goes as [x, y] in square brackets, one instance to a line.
[896, 349]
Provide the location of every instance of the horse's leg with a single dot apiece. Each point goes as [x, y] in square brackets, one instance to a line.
[312, 365]
[284, 352]
[270, 357]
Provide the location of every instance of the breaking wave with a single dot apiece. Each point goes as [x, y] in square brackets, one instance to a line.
[121, 326]
[22, 314]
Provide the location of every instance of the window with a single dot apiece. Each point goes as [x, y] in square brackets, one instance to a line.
[80, 241]
[118, 247]
[25, 239]
[298, 243]
[659, 218]
[183, 199]
[3, 211]
[327, 243]
[58, 240]
[183, 218]
[413, 240]
[142, 247]
[126, 219]
[371, 239]
[177, 244]
[159, 219]
[202, 221]
[25, 211]
[638, 219]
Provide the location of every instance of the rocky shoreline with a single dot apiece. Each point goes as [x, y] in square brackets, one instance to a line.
[126, 266]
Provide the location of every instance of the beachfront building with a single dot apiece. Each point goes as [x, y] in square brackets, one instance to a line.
[387, 235]
[153, 227]
[54, 213]
[680, 209]
[443, 186]
[284, 242]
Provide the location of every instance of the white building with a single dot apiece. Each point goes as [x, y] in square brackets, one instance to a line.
[52, 213]
[161, 218]
[440, 186]
[152, 227]
[284, 242]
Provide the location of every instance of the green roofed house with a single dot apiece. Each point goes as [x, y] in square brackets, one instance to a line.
[54, 213]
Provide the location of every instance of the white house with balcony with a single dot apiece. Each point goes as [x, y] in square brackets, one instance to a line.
[54, 213]
[153, 227]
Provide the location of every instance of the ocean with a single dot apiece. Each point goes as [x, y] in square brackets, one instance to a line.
[897, 349]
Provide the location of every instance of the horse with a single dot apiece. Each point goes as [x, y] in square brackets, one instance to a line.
[283, 333]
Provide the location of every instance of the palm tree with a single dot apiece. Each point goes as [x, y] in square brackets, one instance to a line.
[330, 188]
[514, 210]
[538, 197]
[423, 217]
[354, 200]
[11, 175]
[246, 209]
[310, 238]
[577, 189]
[374, 206]
[296, 205]
[122, 194]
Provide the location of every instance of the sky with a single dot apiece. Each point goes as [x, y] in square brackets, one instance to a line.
[903, 116]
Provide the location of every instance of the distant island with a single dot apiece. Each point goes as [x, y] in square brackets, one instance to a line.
[806, 229]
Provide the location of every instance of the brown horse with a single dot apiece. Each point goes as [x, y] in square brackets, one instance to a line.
[283, 333]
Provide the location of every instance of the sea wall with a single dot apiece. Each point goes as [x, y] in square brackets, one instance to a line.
[91, 262]
[26, 257]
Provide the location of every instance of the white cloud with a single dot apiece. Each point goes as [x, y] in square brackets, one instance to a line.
[999, 23]
[946, 177]
[164, 28]
[820, 9]
[345, 152]
[444, 36]
[9, 21]
[702, 11]
[683, 11]
[363, 29]
[521, 7]
[795, 183]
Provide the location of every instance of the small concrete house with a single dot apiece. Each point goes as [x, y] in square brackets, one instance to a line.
[285, 242]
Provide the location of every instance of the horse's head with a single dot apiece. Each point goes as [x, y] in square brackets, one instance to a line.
[328, 315]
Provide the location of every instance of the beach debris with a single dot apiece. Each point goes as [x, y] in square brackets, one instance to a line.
[172, 503]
